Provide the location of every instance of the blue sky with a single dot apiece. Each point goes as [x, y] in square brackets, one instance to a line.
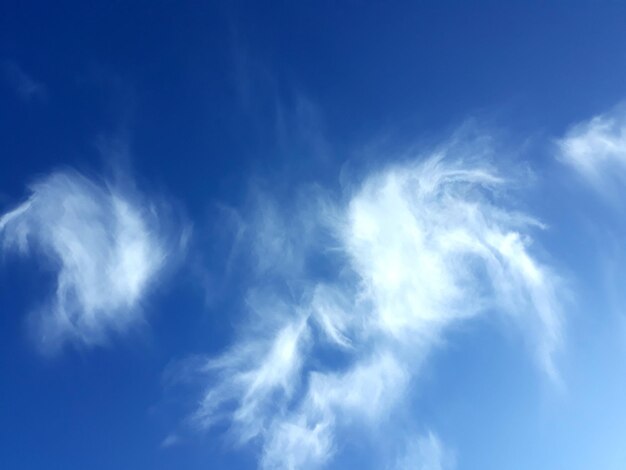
[312, 235]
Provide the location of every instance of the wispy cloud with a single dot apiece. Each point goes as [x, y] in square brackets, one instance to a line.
[596, 149]
[23, 84]
[418, 247]
[425, 452]
[107, 246]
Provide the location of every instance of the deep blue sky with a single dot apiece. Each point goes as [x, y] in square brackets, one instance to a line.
[206, 106]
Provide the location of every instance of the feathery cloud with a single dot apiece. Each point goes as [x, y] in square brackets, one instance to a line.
[421, 246]
[107, 247]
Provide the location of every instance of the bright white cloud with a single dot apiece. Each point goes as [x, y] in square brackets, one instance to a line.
[429, 248]
[424, 246]
[107, 248]
[596, 149]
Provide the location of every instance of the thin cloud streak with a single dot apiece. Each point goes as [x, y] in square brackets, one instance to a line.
[106, 246]
[424, 246]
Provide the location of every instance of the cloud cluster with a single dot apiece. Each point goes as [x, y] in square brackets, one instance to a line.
[422, 246]
[106, 247]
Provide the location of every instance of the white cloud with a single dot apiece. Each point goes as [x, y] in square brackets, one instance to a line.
[421, 246]
[360, 395]
[107, 248]
[296, 444]
[256, 378]
[596, 149]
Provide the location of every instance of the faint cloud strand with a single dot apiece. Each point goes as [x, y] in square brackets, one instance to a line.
[422, 246]
[23, 84]
[425, 452]
[107, 247]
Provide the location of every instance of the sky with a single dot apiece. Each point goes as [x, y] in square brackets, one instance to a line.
[310, 235]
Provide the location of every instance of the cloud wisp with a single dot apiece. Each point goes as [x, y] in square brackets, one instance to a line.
[107, 250]
[425, 452]
[596, 149]
[418, 247]
[23, 84]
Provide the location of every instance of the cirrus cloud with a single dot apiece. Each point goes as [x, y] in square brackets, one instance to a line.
[418, 248]
[106, 246]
